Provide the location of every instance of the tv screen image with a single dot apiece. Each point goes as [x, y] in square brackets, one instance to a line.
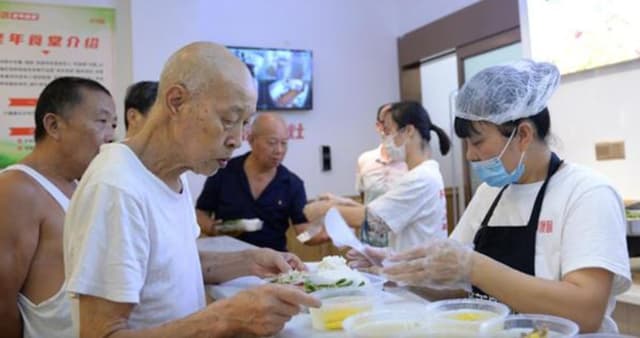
[284, 76]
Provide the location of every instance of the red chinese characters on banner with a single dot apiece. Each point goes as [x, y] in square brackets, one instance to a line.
[73, 42]
[58, 41]
[35, 40]
[54, 41]
[15, 38]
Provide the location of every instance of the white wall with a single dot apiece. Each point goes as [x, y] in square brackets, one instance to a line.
[594, 106]
[601, 105]
[355, 66]
[355, 61]
[409, 15]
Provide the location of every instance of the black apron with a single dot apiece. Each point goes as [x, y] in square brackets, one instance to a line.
[514, 246]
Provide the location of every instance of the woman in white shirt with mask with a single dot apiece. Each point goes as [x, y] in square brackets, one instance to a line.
[414, 209]
[540, 235]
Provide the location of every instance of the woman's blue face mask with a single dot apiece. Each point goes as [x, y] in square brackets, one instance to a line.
[493, 172]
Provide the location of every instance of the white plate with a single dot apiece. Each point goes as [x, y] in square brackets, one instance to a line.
[231, 287]
[376, 281]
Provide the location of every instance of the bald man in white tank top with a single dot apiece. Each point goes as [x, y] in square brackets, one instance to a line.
[73, 117]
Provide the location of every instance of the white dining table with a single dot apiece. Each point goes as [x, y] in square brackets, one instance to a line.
[393, 298]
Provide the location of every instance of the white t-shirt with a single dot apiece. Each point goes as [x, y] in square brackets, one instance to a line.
[375, 176]
[415, 208]
[129, 238]
[582, 225]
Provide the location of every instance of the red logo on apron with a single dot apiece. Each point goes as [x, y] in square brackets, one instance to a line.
[545, 227]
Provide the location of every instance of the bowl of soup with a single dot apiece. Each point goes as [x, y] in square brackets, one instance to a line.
[338, 304]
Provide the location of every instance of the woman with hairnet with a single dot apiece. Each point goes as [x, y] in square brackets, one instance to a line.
[540, 234]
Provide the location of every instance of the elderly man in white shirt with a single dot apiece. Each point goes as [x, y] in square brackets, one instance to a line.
[377, 172]
[130, 253]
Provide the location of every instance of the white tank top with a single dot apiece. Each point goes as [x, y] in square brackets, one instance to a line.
[52, 317]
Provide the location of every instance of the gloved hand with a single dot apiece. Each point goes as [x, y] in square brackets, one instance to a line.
[371, 258]
[439, 264]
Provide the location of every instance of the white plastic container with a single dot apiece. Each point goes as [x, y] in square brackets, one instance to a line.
[386, 324]
[604, 335]
[375, 281]
[341, 303]
[514, 326]
[462, 317]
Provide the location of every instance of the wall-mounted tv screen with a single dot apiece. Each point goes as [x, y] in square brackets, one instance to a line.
[284, 76]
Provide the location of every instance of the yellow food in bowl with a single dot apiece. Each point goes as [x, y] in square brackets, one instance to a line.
[335, 310]
[472, 316]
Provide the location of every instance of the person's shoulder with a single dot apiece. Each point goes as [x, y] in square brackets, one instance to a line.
[431, 167]
[577, 176]
[426, 173]
[112, 158]
[114, 153]
[233, 168]
[17, 187]
[369, 156]
[23, 202]
[486, 192]
[235, 163]
[237, 160]
[115, 165]
[289, 175]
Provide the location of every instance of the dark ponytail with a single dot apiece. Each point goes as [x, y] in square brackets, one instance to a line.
[445, 143]
[412, 113]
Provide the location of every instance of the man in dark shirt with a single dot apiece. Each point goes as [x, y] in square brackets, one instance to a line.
[257, 185]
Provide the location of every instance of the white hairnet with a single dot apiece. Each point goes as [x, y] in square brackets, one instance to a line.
[507, 92]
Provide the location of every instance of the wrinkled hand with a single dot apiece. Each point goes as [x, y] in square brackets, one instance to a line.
[316, 210]
[263, 311]
[314, 232]
[440, 264]
[337, 200]
[374, 257]
[209, 228]
[267, 262]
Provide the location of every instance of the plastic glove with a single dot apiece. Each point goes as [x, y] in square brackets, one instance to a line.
[440, 264]
[374, 257]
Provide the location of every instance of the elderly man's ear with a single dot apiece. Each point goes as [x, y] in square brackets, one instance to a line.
[176, 97]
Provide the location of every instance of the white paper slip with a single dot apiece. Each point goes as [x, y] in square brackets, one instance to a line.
[341, 234]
